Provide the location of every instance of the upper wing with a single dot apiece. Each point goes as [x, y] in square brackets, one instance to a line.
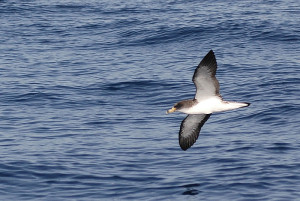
[205, 77]
[190, 129]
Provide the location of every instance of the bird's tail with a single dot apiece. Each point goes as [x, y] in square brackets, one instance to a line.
[234, 105]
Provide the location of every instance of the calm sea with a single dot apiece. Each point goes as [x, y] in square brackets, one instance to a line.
[84, 87]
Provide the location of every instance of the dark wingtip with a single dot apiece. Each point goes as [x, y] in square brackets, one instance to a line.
[210, 55]
[184, 148]
[248, 104]
[209, 60]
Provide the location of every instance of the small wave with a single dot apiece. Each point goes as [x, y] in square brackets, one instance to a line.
[34, 96]
[275, 35]
[140, 85]
[280, 147]
[270, 115]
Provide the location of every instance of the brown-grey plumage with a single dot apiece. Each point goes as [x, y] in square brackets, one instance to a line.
[205, 77]
[207, 100]
[206, 84]
[190, 129]
[185, 104]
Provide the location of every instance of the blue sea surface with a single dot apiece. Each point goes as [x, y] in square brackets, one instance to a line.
[85, 86]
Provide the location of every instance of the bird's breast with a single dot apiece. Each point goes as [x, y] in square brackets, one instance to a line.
[206, 106]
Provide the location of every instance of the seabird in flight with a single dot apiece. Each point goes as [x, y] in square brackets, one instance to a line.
[206, 101]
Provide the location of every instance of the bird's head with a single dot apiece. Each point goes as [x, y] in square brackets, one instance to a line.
[180, 106]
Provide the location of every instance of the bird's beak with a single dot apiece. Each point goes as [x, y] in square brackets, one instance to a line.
[173, 109]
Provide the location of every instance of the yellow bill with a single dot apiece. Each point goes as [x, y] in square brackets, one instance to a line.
[173, 109]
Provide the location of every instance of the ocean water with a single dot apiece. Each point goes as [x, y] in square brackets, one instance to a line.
[85, 86]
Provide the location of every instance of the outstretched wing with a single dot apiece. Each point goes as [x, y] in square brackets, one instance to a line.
[190, 129]
[205, 77]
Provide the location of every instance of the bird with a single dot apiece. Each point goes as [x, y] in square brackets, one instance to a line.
[207, 100]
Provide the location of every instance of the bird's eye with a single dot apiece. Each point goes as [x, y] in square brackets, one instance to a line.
[178, 105]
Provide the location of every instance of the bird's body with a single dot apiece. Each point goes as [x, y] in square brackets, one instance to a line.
[206, 101]
[211, 105]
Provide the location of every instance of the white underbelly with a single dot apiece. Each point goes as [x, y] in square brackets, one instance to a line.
[211, 105]
[207, 106]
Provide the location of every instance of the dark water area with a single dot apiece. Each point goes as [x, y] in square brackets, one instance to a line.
[85, 86]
